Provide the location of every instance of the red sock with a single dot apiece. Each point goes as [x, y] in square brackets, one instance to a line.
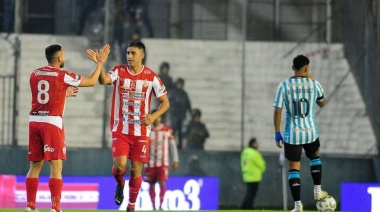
[162, 194]
[152, 193]
[119, 177]
[31, 192]
[134, 188]
[55, 186]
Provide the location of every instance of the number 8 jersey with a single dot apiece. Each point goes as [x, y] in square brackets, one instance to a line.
[48, 86]
[299, 96]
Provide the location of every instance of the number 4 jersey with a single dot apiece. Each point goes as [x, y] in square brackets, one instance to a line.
[299, 96]
[48, 85]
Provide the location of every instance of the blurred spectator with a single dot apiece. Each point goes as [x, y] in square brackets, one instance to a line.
[8, 15]
[164, 75]
[196, 132]
[168, 82]
[85, 8]
[179, 105]
[139, 14]
[195, 168]
[118, 20]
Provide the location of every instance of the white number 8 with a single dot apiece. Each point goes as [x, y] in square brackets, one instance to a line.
[43, 95]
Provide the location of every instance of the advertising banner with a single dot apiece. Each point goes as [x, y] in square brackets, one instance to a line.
[97, 192]
[360, 197]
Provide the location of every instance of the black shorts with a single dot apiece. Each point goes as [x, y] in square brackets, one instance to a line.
[294, 152]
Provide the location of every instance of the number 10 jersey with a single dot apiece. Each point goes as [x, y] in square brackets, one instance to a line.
[298, 95]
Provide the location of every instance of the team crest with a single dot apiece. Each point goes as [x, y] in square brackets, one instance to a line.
[132, 84]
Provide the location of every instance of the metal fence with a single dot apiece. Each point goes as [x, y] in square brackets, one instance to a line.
[8, 93]
[362, 51]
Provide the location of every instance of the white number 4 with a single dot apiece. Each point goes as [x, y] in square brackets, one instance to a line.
[144, 149]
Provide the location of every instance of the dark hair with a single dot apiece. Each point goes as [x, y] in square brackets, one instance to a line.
[164, 65]
[51, 50]
[180, 81]
[251, 141]
[299, 62]
[137, 44]
[196, 112]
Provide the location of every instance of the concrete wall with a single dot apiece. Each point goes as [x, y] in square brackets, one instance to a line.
[213, 71]
[225, 165]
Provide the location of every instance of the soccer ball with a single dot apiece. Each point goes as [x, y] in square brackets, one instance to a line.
[326, 204]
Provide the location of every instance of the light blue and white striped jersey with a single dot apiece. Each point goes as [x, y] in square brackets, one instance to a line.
[299, 96]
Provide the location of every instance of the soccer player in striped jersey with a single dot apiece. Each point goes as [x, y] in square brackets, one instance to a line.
[298, 95]
[49, 87]
[133, 86]
[157, 169]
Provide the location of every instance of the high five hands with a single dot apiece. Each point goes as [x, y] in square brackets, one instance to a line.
[99, 55]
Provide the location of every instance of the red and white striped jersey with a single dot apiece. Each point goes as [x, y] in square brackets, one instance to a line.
[131, 99]
[160, 139]
[48, 86]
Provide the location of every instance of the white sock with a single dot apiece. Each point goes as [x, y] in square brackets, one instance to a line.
[317, 189]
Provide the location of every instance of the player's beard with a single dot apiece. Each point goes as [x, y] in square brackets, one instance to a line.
[62, 65]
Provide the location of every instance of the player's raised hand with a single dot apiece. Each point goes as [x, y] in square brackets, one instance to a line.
[279, 139]
[103, 53]
[91, 54]
[72, 91]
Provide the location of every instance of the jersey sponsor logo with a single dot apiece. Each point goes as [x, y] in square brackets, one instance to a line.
[134, 95]
[133, 121]
[40, 113]
[46, 73]
[127, 112]
[132, 104]
[142, 156]
[48, 149]
[143, 141]
[300, 90]
[299, 84]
